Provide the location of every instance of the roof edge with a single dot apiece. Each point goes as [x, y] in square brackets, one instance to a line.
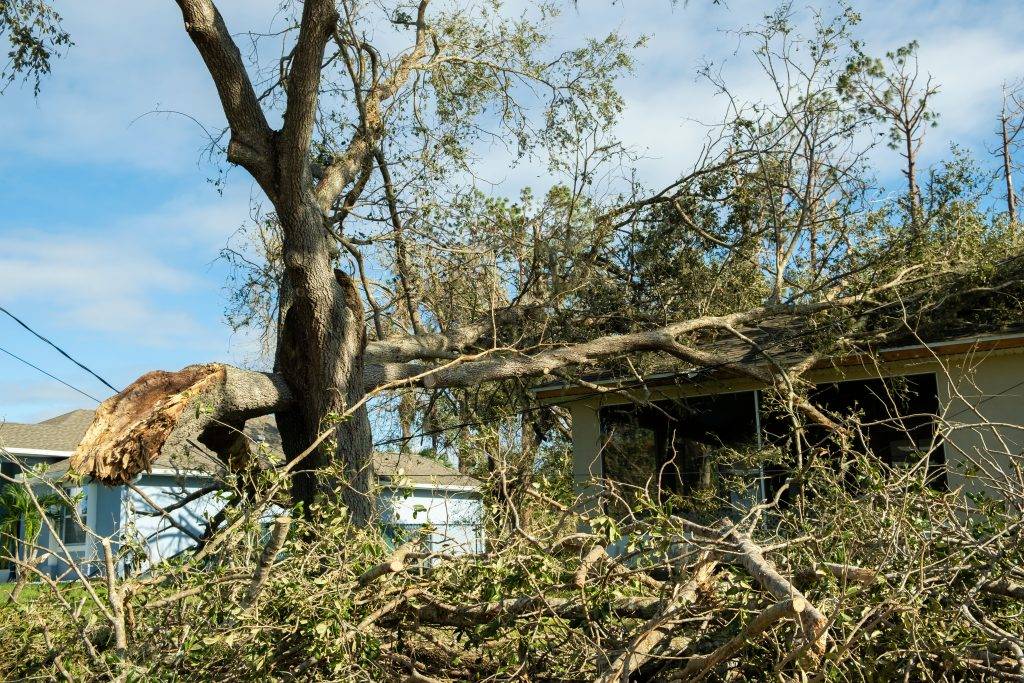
[895, 354]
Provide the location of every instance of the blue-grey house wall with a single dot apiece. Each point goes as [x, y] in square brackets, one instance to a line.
[453, 518]
[154, 538]
[104, 521]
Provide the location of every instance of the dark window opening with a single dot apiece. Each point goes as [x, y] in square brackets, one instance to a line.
[674, 447]
[669, 447]
[896, 418]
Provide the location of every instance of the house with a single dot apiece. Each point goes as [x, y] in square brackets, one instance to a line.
[414, 491]
[951, 402]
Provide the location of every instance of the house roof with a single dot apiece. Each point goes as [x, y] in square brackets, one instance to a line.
[418, 469]
[62, 434]
[961, 313]
[788, 342]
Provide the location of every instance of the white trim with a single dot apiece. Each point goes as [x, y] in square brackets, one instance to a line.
[38, 451]
[172, 472]
[86, 548]
[392, 484]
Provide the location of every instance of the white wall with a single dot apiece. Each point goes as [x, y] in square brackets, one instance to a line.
[982, 405]
[456, 516]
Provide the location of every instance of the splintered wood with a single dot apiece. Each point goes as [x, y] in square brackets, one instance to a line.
[132, 428]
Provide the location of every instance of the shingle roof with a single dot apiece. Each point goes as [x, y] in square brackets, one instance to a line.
[787, 340]
[964, 308]
[62, 433]
[418, 470]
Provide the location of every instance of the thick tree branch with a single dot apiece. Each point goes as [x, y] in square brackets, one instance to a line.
[547, 362]
[161, 410]
[251, 136]
[446, 345]
[345, 167]
[659, 629]
[164, 413]
[319, 18]
[752, 558]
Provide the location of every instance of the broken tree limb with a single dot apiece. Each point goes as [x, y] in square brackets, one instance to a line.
[164, 413]
[270, 552]
[752, 558]
[660, 628]
[596, 554]
[700, 666]
[116, 599]
[393, 565]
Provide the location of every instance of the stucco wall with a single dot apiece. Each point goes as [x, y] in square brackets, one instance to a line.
[982, 401]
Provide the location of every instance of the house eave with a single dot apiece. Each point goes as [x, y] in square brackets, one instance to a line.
[956, 347]
[41, 452]
[388, 482]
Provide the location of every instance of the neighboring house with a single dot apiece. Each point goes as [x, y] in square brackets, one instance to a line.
[414, 491]
[952, 405]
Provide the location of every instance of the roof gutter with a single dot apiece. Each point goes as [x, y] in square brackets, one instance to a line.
[38, 451]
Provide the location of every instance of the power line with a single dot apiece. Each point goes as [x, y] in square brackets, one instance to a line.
[36, 367]
[59, 350]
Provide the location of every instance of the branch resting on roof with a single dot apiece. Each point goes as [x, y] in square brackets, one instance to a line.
[163, 412]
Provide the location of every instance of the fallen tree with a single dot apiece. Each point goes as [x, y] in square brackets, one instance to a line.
[549, 601]
[474, 291]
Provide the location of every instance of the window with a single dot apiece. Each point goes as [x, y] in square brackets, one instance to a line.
[71, 530]
[683, 447]
[897, 423]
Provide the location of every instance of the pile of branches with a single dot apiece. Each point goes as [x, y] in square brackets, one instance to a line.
[884, 579]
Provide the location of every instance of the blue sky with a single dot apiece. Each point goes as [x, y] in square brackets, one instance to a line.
[110, 230]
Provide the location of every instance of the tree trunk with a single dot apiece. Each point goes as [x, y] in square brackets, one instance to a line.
[320, 345]
[913, 191]
[1011, 196]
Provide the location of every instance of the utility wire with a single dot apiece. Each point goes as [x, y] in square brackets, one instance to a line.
[69, 386]
[59, 350]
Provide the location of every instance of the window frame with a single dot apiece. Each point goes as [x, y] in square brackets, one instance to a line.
[88, 520]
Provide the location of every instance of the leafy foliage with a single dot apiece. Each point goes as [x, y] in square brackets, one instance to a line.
[34, 35]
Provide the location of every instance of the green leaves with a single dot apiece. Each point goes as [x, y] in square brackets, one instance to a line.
[34, 36]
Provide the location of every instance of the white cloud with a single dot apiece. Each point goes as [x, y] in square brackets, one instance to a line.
[129, 58]
[141, 277]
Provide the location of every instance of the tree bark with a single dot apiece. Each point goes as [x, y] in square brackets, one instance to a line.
[165, 413]
[320, 347]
